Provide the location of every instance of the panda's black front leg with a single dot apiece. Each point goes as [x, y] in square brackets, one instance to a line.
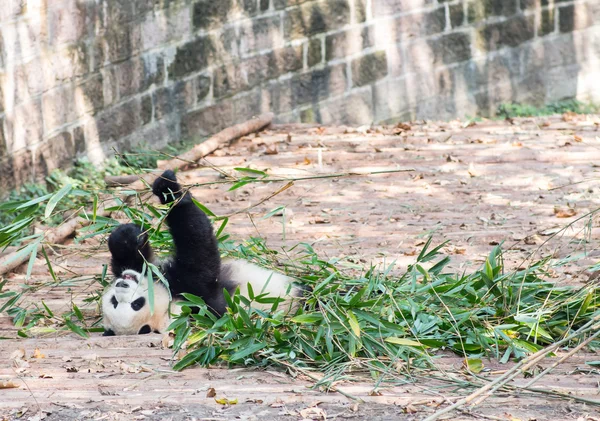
[197, 262]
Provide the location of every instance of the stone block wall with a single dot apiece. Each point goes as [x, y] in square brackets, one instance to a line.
[85, 77]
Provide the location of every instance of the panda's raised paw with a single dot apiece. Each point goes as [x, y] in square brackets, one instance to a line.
[166, 187]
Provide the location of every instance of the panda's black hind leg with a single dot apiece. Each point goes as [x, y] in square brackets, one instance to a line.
[168, 189]
[197, 263]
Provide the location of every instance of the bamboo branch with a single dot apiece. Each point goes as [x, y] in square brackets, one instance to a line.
[519, 368]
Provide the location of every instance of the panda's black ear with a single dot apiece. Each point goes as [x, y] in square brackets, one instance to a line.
[145, 330]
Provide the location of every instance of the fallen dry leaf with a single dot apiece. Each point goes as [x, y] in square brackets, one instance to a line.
[564, 213]
[271, 150]
[577, 138]
[211, 392]
[38, 354]
[19, 354]
[226, 401]
[8, 384]
[313, 413]
[410, 409]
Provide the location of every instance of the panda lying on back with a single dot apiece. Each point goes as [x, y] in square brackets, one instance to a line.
[196, 268]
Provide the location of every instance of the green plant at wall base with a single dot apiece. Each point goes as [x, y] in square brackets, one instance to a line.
[513, 110]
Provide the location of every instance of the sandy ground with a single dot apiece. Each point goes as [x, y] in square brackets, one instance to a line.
[476, 185]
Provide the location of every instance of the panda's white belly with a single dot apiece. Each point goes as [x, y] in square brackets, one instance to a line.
[263, 281]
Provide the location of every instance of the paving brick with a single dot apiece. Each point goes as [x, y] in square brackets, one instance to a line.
[509, 33]
[119, 12]
[68, 23]
[348, 42]
[56, 152]
[573, 17]
[314, 54]
[11, 9]
[316, 17]
[58, 107]
[209, 14]
[247, 106]
[457, 15]
[207, 120]
[282, 4]
[147, 109]
[280, 96]
[420, 24]
[319, 84]
[193, 57]
[176, 98]
[547, 22]
[89, 95]
[203, 84]
[479, 10]
[79, 140]
[390, 99]
[119, 121]
[120, 42]
[425, 55]
[235, 77]
[393, 7]
[165, 26]
[26, 127]
[369, 68]
[250, 36]
[355, 108]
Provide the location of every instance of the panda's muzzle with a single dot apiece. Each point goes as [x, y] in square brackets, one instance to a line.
[122, 284]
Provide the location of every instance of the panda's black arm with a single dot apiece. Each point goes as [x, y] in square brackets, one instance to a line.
[197, 261]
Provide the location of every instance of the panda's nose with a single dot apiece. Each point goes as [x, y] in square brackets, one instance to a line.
[122, 284]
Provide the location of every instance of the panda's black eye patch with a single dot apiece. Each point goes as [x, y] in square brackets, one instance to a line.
[138, 304]
[144, 330]
[114, 301]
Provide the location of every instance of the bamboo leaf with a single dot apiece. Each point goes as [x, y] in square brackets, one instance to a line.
[354, 323]
[402, 341]
[56, 197]
[250, 171]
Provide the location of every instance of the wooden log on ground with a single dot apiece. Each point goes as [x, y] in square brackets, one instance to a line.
[223, 138]
[120, 180]
[57, 235]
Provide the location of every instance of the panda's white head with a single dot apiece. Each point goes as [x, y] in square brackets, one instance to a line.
[125, 307]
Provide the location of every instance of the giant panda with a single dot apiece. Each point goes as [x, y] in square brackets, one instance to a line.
[195, 268]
